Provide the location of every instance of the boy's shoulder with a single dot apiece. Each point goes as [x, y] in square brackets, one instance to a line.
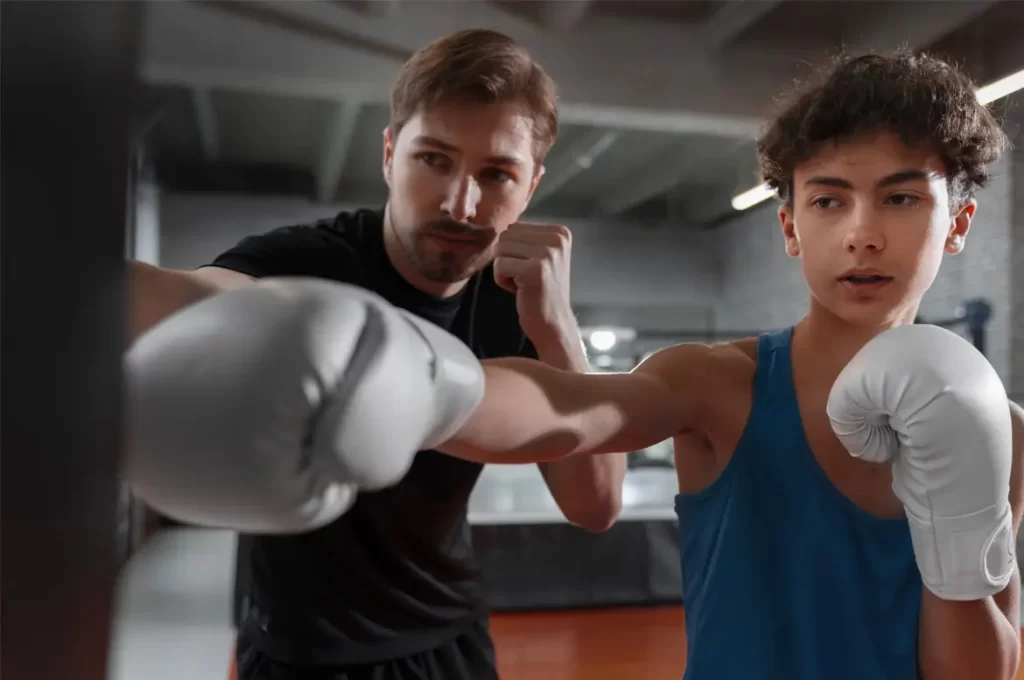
[714, 370]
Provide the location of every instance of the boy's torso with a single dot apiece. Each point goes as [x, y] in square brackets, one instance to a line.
[793, 553]
[726, 403]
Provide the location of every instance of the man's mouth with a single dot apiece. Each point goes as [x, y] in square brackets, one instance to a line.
[453, 232]
[457, 239]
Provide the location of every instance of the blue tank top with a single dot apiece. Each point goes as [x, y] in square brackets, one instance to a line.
[784, 577]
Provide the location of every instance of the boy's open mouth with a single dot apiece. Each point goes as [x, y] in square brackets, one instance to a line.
[865, 278]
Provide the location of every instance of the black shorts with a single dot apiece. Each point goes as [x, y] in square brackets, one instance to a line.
[470, 656]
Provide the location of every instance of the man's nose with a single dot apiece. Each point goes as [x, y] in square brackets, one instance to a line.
[462, 199]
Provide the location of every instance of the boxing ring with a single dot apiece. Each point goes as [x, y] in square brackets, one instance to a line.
[516, 522]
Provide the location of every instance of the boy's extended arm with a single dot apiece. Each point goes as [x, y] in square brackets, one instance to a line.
[534, 413]
[154, 293]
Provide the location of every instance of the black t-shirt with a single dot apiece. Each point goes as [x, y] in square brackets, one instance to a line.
[396, 574]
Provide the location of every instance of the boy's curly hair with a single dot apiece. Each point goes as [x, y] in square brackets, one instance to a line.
[924, 100]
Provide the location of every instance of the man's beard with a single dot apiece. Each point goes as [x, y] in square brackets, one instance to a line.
[449, 266]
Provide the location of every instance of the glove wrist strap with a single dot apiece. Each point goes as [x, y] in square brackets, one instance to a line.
[965, 558]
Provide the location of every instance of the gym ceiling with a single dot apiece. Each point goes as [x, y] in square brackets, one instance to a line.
[660, 100]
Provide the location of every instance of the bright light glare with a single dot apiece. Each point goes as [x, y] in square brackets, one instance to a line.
[602, 341]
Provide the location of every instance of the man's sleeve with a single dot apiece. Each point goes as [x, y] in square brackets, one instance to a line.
[286, 251]
[527, 350]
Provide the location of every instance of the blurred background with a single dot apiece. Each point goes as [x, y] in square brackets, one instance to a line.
[261, 114]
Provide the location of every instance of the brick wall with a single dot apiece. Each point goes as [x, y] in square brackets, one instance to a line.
[761, 287]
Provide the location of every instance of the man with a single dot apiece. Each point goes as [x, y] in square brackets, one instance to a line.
[850, 487]
[390, 590]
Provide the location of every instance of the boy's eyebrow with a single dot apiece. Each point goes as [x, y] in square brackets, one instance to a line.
[889, 180]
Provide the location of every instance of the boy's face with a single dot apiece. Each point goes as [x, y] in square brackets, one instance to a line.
[870, 220]
[459, 174]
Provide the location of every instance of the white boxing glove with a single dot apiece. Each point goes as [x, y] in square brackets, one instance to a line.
[926, 399]
[266, 408]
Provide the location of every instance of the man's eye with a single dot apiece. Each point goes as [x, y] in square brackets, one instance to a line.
[430, 158]
[498, 175]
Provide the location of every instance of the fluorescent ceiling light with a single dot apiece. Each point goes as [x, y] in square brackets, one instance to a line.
[751, 197]
[986, 95]
[1001, 88]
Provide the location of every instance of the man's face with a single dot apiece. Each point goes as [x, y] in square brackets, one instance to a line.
[459, 174]
[870, 220]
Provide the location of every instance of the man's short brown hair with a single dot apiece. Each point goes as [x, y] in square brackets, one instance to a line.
[479, 66]
[924, 100]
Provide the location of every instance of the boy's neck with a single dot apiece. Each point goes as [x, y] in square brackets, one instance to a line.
[827, 343]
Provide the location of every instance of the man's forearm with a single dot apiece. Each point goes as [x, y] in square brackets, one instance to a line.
[967, 640]
[588, 489]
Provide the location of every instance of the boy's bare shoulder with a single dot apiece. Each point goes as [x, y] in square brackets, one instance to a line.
[707, 365]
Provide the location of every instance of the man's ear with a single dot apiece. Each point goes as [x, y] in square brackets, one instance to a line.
[389, 155]
[789, 229]
[959, 226]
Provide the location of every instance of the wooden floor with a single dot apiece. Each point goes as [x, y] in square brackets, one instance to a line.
[639, 644]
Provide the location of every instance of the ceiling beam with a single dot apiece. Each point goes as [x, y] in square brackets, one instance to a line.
[677, 164]
[206, 120]
[706, 205]
[576, 158]
[376, 8]
[329, 89]
[278, 17]
[732, 19]
[916, 25]
[658, 177]
[562, 16]
[277, 50]
[334, 152]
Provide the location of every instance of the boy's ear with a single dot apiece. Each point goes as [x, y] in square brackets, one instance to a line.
[789, 230]
[959, 226]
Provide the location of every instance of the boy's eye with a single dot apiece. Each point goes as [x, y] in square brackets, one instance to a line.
[904, 199]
